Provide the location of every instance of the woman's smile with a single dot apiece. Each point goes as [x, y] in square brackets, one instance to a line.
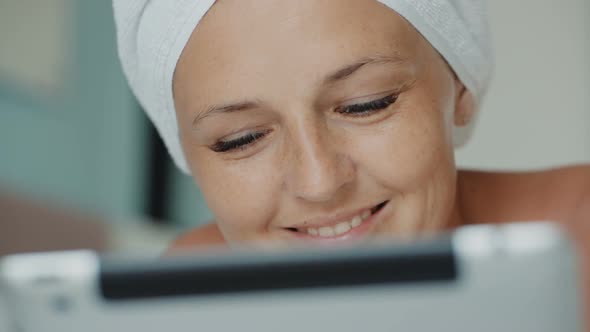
[340, 227]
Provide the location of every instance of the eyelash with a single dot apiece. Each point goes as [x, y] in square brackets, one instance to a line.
[356, 110]
[239, 143]
[368, 108]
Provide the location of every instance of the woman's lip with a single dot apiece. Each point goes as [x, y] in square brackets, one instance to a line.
[353, 234]
[332, 221]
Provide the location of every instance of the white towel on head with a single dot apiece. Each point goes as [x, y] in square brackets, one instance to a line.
[151, 35]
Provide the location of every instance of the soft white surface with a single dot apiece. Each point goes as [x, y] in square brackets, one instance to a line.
[140, 237]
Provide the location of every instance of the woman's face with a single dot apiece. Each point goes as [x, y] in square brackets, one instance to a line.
[317, 122]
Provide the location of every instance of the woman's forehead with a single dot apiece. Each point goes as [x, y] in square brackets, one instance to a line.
[242, 42]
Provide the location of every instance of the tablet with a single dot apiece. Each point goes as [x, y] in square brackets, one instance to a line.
[517, 277]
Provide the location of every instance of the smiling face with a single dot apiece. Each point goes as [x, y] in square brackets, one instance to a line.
[320, 121]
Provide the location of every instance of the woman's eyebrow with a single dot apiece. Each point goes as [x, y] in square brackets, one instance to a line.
[346, 71]
[338, 75]
[227, 108]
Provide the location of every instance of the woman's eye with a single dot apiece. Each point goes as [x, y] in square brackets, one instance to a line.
[366, 109]
[239, 143]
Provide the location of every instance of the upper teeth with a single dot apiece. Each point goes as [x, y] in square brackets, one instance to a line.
[340, 228]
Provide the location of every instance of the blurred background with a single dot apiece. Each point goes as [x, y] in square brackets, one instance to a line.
[81, 167]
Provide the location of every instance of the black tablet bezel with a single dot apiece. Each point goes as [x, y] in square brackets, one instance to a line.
[422, 261]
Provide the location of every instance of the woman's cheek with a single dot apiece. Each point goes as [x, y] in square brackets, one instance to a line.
[239, 193]
[407, 152]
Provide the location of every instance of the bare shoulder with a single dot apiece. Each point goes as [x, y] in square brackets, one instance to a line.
[202, 236]
[561, 195]
[555, 194]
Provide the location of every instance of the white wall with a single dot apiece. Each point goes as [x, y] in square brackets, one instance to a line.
[537, 113]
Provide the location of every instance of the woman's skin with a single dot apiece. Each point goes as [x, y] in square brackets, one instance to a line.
[296, 87]
[297, 116]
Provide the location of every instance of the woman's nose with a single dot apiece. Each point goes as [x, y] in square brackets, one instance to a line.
[319, 169]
